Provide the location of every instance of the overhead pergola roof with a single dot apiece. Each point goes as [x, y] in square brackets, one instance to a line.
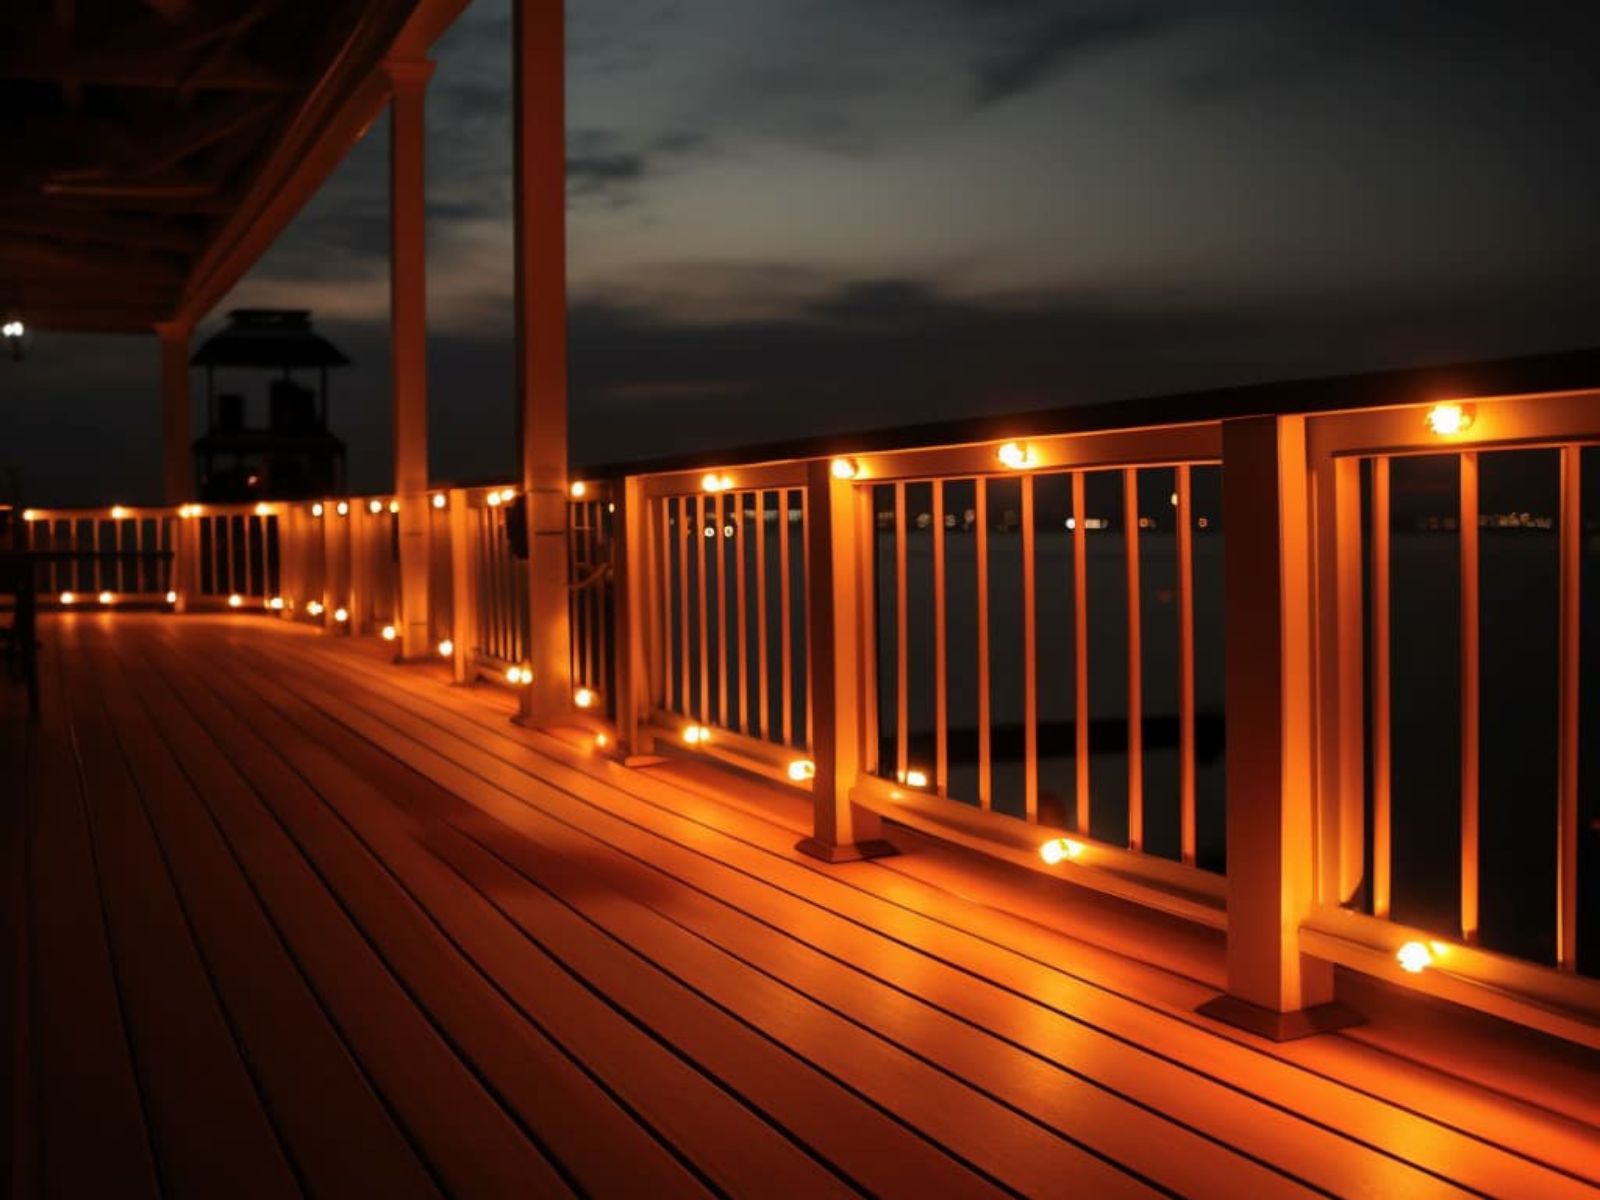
[152, 150]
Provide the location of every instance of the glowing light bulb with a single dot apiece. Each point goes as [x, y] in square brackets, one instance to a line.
[69, 598]
[583, 698]
[915, 778]
[493, 499]
[1446, 420]
[235, 600]
[844, 468]
[802, 769]
[276, 604]
[314, 608]
[394, 506]
[1016, 456]
[507, 495]
[118, 512]
[30, 514]
[1059, 850]
[519, 676]
[696, 735]
[106, 597]
[579, 489]
[263, 509]
[172, 597]
[316, 510]
[1414, 957]
[389, 633]
[446, 648]
[342, 508]
[601, 740]
[374, 507]
[341, 615]
[439, 500]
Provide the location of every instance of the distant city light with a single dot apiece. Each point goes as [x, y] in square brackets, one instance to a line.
[13, 329]
[342, 508]
[69, 598]
[263, 509]
[712, 482]
[914, 778]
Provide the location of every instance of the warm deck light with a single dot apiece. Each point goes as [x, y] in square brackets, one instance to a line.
[314, 608]
[69, 598]
[1016, 456]
[341, 615]
[394, 506]
[1447, 420]
[439, 500]
[276, 604]
[696, 735]
[583, 698]
[492, 499]
[30, 514]
[118, 512]
[1414, 957]
[1058, 850]
[188, 511]
[712, 482]
[914, 778]
[601, 741]
[844, 468]
[172, 597]
[802, 769]
[263, 509]
[342, 508]
[446, 648]
[388, 633]
[13, 329]
[507, 495]
[235, 600]
[579, 489]
[316, 510]
[519, 676]
[374, 507]
[106, 597]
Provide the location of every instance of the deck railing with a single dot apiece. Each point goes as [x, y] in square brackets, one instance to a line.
[1319, 681]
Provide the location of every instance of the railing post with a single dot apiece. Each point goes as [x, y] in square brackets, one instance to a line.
[633, 590]
[185, 561]
[463, 596]
[841, 830]
[1273, 989]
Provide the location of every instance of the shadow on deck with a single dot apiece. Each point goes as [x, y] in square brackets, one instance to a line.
[291, 919]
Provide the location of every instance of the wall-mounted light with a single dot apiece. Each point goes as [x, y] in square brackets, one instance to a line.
[1447, 420]
[1017, 456]
[844, 468]
[1058, 850]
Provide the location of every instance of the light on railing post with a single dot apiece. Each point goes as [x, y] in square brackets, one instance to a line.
[446, 648]
[439, 500]
[316, 510]
[68, 598]
[1058, 850]
[844, 468]
[802, 770]
[235, 600]
[374, 507]
[172, 597]
[1414, 957]
[696, 735]
[1017, 456]
[1447, 420]
[118, 512]
[342, 508]
[106, 598]
[314, 607]
[579, 489]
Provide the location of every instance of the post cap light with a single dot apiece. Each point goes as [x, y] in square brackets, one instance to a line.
[583, 698]
[439, 500]
[106, 598]
[712, 482]
[172, 597]
[394, 506]
[914, 778]
[1414, 957]
[1016, 455]
[314, 608]
[802, 769]
[69, 598]
[342, 508]
[316, 510]
[235, 600]
[30, 514]
[341, 615]
[389, 633]
[118, 512]
[579, 489]
[1058, 850]
[263, 509]
[275, 604]
[374, 507]
[1447, 420]
[446, 648]
[696, 735]
[844, 468]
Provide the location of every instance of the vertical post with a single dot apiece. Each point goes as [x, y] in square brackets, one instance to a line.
[1273, 989]
[177, 471]
[539, 148]
[463, 594]
[408, 333]
[634, 590]
[841, 831]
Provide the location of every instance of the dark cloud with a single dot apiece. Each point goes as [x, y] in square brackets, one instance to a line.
[591, 174]
[1046, 45]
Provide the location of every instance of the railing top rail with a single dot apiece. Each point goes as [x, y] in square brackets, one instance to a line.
[1546, 374]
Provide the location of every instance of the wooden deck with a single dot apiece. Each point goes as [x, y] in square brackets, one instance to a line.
[290, 919]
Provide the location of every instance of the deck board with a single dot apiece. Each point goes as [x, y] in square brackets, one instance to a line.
[376, 939]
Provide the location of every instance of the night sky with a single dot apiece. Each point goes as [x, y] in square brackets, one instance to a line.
[800, 216]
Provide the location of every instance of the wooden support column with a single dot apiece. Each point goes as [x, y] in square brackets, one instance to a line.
[177, 464]
[837, 651]
[539, 148]
[463, 593]
[1273, 989]
[634, 587]
[408, 333]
